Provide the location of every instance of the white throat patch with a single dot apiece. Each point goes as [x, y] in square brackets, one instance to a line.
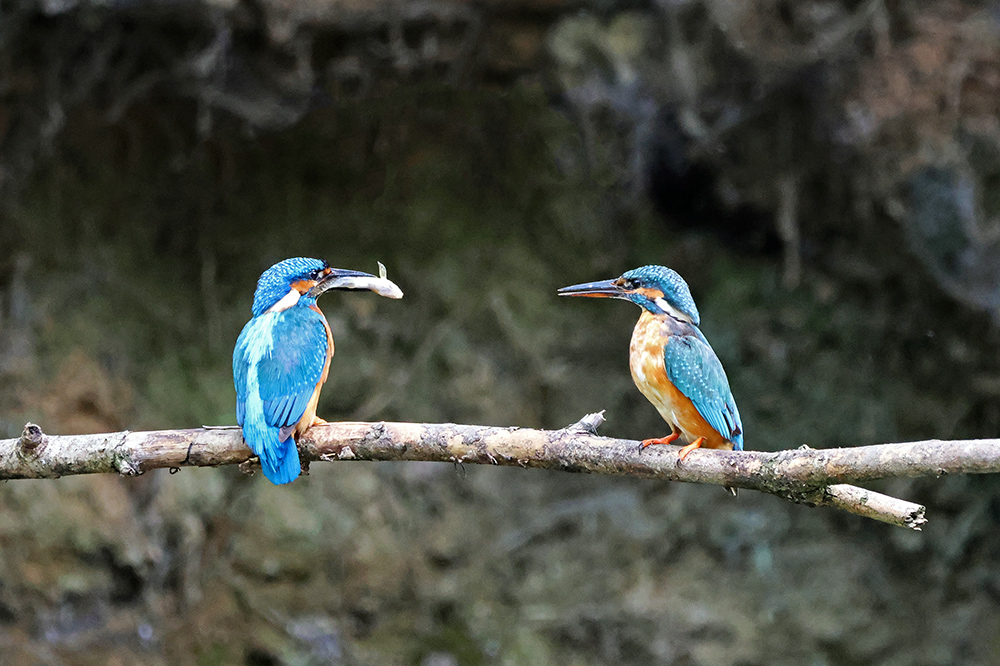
[671, 310]
[287, 301]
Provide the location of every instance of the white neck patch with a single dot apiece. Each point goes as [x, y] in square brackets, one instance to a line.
[671, 310]
[287, 301]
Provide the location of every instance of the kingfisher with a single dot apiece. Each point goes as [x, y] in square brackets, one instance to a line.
[672, 363]
[282, 357]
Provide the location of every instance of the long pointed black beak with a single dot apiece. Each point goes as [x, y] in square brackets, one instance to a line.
[602, 289]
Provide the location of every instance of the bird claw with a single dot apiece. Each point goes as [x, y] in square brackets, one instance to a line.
[318, 421]
[659, 440]
[689, 448]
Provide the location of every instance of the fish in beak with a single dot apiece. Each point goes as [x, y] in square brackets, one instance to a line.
[343, 279]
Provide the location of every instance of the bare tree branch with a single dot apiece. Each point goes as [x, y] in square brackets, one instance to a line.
[815, 477]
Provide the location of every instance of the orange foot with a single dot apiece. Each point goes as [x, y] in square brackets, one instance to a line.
[318, 421]
[691, 447]
[659, 440]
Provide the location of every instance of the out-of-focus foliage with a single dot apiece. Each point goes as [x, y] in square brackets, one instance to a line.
[139, 211]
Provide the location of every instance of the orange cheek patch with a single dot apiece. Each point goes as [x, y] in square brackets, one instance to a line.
[302, 286]
[651, 294]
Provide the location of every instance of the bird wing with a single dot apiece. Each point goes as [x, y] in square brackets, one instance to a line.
[696, 371]
[287, 377]
[240, 367]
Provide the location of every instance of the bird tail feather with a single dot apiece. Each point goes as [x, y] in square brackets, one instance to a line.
[279, 460]
[284, 467]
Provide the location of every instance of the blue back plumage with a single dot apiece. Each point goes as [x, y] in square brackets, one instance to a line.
[675, 290]
[289, 374]
[277, 362]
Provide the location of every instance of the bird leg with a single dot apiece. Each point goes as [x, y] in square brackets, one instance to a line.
[660, 440]
[299, 429]
[691, 447]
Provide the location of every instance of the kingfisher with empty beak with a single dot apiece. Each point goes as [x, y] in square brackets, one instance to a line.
[282, 357]
[671, 361]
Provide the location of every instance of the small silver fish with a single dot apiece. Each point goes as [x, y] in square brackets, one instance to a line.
[381, 285]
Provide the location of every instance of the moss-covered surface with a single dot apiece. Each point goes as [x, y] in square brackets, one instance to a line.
[130, 269]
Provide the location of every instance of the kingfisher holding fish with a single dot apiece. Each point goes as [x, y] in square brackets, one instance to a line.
[282, 357]
[672, 363]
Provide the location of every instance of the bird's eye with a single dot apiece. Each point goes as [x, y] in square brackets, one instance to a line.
[631, 283]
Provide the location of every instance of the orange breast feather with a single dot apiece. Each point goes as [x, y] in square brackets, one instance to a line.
[650, 376]
[309, 415]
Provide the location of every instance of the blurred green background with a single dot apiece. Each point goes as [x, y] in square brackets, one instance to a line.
[811, 169]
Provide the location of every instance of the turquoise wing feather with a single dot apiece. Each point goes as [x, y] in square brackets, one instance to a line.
[696, 371]
[240, 367]
[288, 376]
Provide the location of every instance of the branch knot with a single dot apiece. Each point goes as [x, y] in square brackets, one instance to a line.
[31, 438]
